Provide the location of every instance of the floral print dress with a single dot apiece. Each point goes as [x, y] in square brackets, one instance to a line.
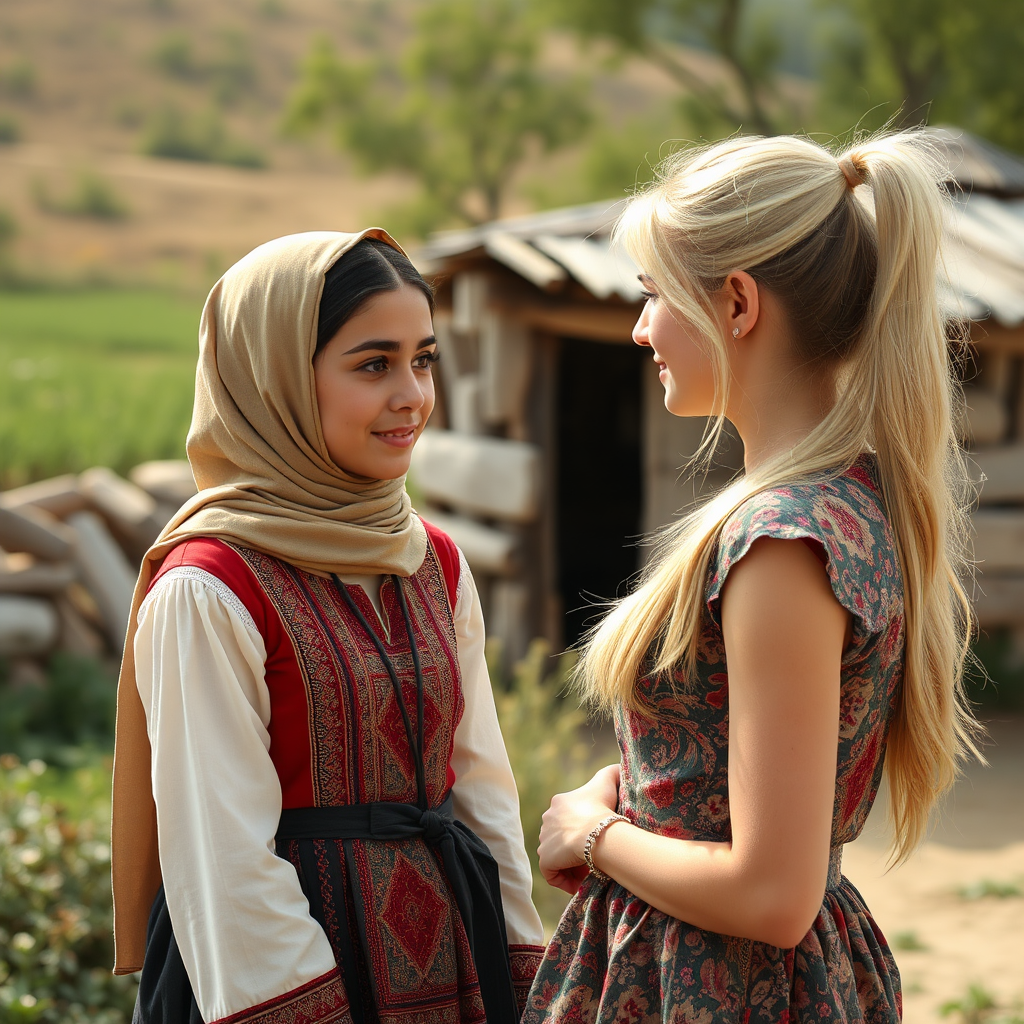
[614, 958]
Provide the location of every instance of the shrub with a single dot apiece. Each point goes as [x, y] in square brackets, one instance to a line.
[10, 131]
[203, 138]
[91, 196]
[978, 1006]
[543, 731]
[19, 79]
[74, 709]
[996, 681]
[56, 947]
[173, 55]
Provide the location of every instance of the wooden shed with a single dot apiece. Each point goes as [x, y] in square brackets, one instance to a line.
[552, 454]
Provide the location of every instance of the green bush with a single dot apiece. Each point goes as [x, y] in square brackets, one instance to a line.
[73, 710]
[56, 947]
[202, 138]
[10, 131]
[978, 1006]
[543, 730]
[18, 79]
[8, 232]
[996, 681]
[231, 71]
[173, 56]
[91, 196]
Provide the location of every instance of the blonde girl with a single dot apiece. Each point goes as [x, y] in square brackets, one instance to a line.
[797, 632]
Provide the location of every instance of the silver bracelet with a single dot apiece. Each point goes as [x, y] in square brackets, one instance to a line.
[588, 846]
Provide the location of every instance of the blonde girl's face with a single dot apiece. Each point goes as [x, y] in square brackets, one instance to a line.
[684, 368]
[374, 389]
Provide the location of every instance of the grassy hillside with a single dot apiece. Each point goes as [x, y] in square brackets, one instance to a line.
[89, 92]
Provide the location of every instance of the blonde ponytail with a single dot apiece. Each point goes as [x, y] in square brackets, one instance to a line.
[858, 281]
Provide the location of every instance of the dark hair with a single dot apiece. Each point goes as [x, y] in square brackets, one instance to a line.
[368, 268]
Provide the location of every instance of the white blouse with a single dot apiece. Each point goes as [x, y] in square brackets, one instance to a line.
[240, 918]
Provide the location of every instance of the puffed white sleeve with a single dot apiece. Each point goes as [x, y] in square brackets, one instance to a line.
[485, 793]
[239, 915]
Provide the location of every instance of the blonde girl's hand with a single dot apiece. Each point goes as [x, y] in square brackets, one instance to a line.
[567, 823]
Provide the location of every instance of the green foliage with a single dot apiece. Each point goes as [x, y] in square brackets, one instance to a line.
[173, 56]
[987, 888]
[460, 112]
[10, 130]
[616, 162]
[93, 377]
[18, 79]
[543, 731]
[74, 709]
[978, 1006]
[996, 680]
[927, 60]
[203, 138]
[908, 942]
[8, 232]
[56, 948]
[230, 70]
[91, 196]
[749, 46]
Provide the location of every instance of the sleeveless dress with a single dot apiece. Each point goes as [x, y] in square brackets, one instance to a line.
[339, 736]
[616, 959]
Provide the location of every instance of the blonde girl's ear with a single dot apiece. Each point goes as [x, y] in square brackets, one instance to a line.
[740, 304]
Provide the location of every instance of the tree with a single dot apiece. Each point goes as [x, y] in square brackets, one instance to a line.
[462, 109]
[921, 61]
[749, 49]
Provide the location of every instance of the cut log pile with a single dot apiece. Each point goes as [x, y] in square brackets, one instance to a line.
[69, 554]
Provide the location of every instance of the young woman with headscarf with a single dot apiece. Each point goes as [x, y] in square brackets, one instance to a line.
[314, 815]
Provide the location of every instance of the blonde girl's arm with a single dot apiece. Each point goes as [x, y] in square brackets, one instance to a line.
[784, 635]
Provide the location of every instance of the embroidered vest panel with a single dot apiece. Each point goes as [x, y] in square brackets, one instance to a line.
[336, 730]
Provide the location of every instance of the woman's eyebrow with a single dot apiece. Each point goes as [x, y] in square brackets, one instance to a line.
[380, 345]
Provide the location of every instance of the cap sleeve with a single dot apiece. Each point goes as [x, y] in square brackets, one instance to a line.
[849, 528]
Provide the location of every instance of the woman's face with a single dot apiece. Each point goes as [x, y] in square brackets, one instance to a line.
[373, 384]
[684, 367]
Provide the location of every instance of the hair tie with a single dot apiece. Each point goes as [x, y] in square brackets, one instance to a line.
[853, 174]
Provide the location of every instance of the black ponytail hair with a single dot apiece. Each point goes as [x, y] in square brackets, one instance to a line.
[368, 268]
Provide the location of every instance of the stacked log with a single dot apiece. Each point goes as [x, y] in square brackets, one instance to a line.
[70, 549]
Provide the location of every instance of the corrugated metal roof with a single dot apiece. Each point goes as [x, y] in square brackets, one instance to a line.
[984, 240]
[976, 165]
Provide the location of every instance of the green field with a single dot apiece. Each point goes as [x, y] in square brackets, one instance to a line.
[93, 377]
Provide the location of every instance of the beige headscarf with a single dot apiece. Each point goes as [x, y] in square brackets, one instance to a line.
[266, 482]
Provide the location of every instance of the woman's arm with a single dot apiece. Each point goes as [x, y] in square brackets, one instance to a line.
[240, 918]
[784, 636]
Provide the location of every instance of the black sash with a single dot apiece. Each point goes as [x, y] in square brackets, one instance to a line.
[471, 871]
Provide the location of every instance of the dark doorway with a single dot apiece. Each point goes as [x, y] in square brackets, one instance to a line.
[600, 475]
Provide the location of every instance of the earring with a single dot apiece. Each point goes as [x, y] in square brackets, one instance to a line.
[735, 332]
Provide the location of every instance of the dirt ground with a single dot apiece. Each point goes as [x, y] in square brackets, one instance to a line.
[945, 941]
